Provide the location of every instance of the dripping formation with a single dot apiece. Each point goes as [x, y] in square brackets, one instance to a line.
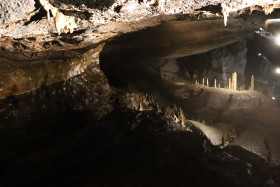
[62, 22]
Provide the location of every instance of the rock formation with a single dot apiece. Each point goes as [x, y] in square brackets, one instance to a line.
[112, 92]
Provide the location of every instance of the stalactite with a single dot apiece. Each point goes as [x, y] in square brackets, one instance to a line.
[268, 9]
[62, 22]
[203, 82]
[47, 6]
[225, 11]
[207, 83]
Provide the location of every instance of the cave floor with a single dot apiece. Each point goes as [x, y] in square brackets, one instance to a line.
[125, 148]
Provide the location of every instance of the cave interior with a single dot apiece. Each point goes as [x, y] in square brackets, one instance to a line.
[139, 93]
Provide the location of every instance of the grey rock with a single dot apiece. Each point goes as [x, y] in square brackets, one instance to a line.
[15, 10]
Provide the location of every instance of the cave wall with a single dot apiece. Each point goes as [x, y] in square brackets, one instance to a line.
[264, 71]
[216, 64]
[86, 91]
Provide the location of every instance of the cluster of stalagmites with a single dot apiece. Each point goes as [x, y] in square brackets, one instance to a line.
[232, 83]
[226, 140]
[144, 102]
[62, 23]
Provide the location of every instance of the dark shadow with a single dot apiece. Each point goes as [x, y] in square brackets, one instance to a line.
[131, 65]
[212, 8]
[98, 4]
[125, 148]
[39, 15]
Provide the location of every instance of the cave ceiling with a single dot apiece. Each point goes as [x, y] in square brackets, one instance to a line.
[96, 21]
[34, 31]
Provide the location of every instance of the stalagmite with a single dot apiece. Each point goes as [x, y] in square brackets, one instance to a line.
[203, 82]
[229, 84]
[252, 83]
[207, 83]
[140, 107]
[234, 81]
[176, 119]
[219, 85]
[182, 117]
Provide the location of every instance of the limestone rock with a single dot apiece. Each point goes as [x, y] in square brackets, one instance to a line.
[15, 10]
